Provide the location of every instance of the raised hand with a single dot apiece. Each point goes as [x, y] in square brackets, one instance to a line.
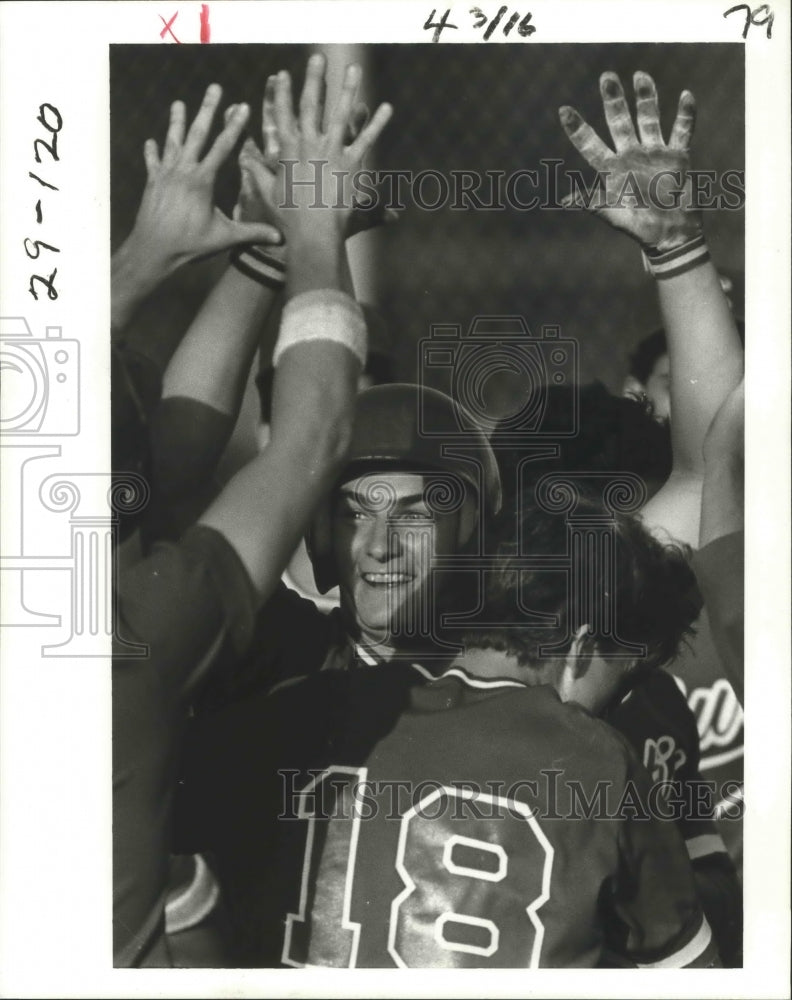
[259, 191]
[643, 179]
[177, 217]
[316, 164]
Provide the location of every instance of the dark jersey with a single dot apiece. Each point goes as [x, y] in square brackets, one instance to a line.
[385, 818]
[654, 716]
[719, 717]
[176, 609]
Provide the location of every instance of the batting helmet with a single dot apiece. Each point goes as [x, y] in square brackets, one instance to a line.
[409, 428]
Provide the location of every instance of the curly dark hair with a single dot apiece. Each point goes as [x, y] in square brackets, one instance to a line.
[614, 435]
[646, 353]
[640, 591]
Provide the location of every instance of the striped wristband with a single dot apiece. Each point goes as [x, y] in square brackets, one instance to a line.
[671, 263]
[256, 263]
[324, 314]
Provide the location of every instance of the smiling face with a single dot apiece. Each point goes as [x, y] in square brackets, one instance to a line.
[385, 539]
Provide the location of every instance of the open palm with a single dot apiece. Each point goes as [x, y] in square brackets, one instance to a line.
[643, 180]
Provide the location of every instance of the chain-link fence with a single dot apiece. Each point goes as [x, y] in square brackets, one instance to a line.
[475, 108]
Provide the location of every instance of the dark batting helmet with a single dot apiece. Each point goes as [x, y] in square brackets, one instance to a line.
[409, 428]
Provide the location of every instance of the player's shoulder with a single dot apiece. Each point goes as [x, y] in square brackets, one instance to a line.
[534, 717]
[601, 736]
[652, 699]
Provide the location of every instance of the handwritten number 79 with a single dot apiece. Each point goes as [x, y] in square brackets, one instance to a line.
[752, 17]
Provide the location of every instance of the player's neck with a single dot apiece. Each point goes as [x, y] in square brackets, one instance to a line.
[489, 664]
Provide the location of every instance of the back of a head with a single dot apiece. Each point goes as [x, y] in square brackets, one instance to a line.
[645, 354]
[636, 591]
[613, 435]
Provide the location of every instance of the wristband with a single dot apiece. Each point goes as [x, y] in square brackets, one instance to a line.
[256, 263]
[324, 314]
[671, 263]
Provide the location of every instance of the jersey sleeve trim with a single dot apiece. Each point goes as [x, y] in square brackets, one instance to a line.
[478, 683]
[687, 954]
[704, 845]
[197, 900]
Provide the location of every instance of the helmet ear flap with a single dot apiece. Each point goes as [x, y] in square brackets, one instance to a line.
[319, 543]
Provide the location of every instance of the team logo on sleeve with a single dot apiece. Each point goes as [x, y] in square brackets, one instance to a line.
[719, 719]
[663, 758]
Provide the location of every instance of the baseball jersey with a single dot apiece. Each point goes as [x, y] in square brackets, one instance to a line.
[653, 715]
[176, 609]
[719, 717]
[388, 818]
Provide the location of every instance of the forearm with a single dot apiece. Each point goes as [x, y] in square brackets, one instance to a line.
[266, 508]
[722, 506]
[212, 362]
[135, 271]
[705, 354]
[316, 261]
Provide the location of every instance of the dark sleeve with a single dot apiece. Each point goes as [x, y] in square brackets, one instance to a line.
[135, 388]
[656, 920]
[720, 571]
[291, 638]
[181, 606]
[661, 728]
[187, 439]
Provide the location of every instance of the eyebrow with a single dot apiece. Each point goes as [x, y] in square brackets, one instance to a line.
[403, 501]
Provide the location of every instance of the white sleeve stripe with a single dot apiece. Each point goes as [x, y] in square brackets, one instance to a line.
[196, 901]
[706, 843]
[687, 954]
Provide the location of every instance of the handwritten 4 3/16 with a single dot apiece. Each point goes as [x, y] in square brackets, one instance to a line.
[480, 19]
[50, 118]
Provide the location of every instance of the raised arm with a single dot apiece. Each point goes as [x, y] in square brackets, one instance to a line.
[720, 562]
[645, 193]
[177, 218]
[205, 380]
[185, 600]
[321, 344]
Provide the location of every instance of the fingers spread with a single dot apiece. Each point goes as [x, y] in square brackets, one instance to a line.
[150, 156]
[617, 113]
[371, 132]
[312, 97]
[269, 127]
[357, 122]
[339, 119]
[250, 151]
[199, 130]
[584, 138]
[647, 110]
[684, 124]
[283, 108]
[227, 139]
[175, 136]
[260, 179]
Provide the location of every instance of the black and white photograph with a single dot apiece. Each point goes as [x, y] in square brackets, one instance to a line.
[399, 536]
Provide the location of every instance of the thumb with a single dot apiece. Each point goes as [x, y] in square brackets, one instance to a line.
[257, 232]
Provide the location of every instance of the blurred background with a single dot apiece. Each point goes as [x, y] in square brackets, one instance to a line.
[457, 107]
